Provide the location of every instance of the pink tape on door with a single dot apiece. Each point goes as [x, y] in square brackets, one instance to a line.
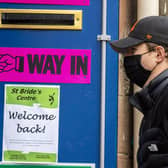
[55, 2]
[45, 65]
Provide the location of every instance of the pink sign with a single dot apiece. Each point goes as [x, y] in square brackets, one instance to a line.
[56, 2]
[45, 65]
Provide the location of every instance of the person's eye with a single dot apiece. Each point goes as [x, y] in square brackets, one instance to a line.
[134, 49]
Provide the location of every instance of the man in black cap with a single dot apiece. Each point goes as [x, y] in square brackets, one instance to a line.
[145, 52]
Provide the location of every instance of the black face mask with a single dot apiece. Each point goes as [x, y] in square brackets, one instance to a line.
[134, 70]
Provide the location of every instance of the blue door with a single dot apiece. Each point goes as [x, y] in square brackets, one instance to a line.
[79, 120]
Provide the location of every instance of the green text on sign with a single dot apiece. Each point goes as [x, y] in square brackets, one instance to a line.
[29, 95]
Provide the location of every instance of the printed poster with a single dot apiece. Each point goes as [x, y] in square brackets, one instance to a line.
[56, 165]
[45, 65]
[31, 121]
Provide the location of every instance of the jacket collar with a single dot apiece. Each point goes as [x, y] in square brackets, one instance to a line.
[146, 98]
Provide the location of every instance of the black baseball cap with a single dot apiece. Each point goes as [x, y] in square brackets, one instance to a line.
[149, 29]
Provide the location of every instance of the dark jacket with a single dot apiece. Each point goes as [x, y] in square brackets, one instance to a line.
[152, 101]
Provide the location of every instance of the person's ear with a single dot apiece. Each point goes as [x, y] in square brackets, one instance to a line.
[161, 54]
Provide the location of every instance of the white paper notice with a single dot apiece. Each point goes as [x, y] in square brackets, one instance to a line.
[31, 121]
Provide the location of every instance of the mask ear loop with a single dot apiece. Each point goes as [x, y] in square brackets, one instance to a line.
[154, 48]
[150, 50]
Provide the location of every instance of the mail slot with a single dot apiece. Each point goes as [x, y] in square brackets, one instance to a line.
[41, 19]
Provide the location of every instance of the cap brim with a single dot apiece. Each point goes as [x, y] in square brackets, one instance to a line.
[123, 44]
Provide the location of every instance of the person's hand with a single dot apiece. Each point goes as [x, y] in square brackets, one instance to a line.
[7, 63]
